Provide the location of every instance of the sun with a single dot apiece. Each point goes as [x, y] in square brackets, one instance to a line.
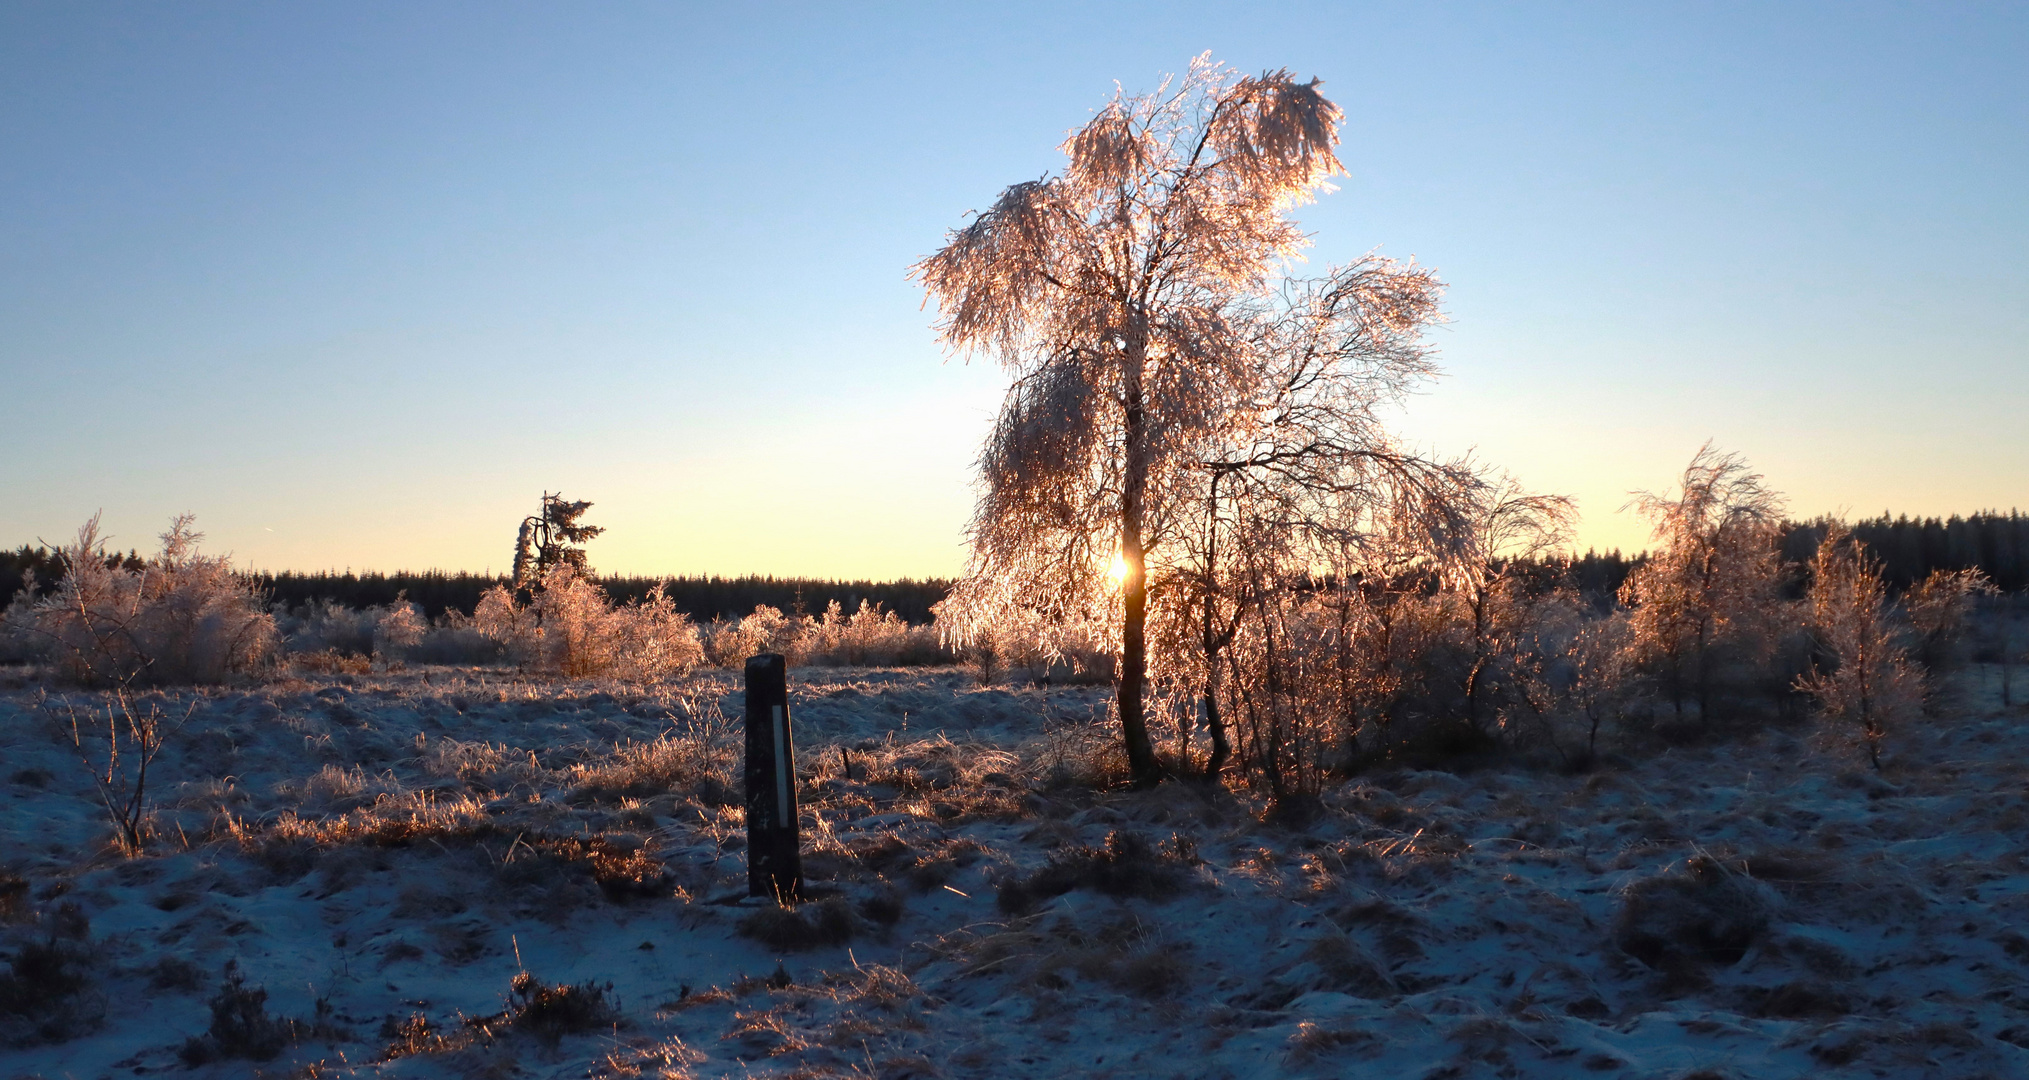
[1117, 572]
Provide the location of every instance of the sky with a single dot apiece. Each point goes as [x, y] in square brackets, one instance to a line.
[356, 283]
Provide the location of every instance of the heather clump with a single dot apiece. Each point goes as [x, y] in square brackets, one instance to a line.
[48, 989]
[550, 1012]
[241, 1028]
[1702, 912]
[796, 928]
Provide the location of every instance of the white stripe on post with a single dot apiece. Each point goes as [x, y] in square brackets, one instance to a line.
[783, 820]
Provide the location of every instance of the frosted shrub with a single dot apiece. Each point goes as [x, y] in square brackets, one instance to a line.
[326, 629]
[729, 644]
[1024, 644]
[18, 640]
[768, 630]
[658, 640]
[399, 629]
[1939, 607]
[868, 637]
[569, 628]
[823, 639]
[873, 636]
[1599, 686]
[326, 626]
[1017, 643]
[722, 644]
[1870, 681]
[181, 618]
[1709, 590]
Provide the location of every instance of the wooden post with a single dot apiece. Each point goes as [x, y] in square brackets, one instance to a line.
[774, 847]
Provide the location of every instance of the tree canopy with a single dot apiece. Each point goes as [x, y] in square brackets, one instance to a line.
[1162, 361]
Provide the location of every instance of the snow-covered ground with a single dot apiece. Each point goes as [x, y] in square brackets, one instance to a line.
[378, 849]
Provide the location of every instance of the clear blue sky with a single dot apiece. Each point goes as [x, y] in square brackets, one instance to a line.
[356, 282]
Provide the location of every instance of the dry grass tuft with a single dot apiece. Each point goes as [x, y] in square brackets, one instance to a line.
[803, 927]
[1128, 866]
[292, 846]
[765, 1033]
[552, 1012]
[669, 1059]
[886, 988]
[1042, 957]
[705, 767]
[534, 1008]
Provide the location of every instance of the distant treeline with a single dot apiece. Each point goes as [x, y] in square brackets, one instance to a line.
[1909, 549]
[47, 567]
[706, 598]
[1594, 576]
[702, 598]
[438, 591]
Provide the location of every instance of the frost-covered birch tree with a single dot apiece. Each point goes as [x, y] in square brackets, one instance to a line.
[1711, 581]
[1137, 299]
[1870, 680]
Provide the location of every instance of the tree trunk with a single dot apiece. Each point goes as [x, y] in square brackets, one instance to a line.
[1479, 656]
[1213, 641]
[1141, 764]
[1222, 747]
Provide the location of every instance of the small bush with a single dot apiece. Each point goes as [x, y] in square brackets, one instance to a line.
[454, 643]
[569, 628]
[552, 1012]
[808, 926]
[45, 994]
[1701, 913]
[180, 617]
[884, 906]
[326, 626]
[241, 1028]
[866, 637]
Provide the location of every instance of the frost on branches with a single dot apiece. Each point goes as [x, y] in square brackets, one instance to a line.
[1867, 679]
[1180, 410]
[179, 617]
[570, 628]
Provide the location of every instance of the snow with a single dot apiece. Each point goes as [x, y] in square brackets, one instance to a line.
[1426, 925]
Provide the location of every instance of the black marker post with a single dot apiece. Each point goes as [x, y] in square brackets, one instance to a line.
[774, 849]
